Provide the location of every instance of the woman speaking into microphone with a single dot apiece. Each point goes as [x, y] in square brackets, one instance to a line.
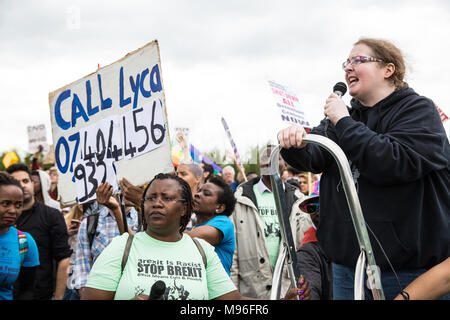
[400, 157]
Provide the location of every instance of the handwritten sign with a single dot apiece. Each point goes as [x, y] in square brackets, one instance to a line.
[288, 105]
[111, 124]
[37, 136]
[100, 144]
[90, 174]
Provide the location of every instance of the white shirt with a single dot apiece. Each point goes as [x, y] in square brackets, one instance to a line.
[262, 187]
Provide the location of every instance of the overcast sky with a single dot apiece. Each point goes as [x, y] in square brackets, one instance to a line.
[216, 56]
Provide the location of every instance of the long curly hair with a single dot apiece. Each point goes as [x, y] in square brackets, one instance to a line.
[186, 195]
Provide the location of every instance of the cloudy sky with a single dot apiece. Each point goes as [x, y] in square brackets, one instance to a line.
[216, 56]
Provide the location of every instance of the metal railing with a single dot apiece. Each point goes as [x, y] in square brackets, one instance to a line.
[366, 258]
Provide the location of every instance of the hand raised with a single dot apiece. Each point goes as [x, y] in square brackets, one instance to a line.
[131, 192]
[104, 196]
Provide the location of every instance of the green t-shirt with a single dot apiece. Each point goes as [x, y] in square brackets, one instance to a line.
[179, 264]
[268, 212]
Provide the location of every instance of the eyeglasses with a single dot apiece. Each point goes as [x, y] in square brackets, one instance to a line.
[359, 59]
[310, 208]
[163, 199]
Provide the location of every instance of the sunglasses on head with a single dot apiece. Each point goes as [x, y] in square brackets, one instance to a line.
[311, 208]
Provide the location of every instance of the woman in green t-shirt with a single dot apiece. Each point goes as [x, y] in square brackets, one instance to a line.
[164, 253]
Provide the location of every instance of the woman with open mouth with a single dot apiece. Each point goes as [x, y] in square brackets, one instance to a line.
[399, 154]
[213, 204]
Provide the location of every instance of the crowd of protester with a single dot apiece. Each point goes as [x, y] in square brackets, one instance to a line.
[64, 244]
[240, 227]
[217, 236]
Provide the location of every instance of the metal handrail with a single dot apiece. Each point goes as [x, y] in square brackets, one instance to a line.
[359, 224]
[287, 244]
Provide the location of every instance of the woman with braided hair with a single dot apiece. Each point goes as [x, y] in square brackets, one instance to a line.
[163, 252]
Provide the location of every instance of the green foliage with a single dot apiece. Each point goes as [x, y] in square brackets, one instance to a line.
[27, 160]
[217, 157]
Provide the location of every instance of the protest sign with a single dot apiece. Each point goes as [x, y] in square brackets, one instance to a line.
[184, 131]
[111, 124]
[288, 105]
[443, 116]
[37, 136]
[235, 151]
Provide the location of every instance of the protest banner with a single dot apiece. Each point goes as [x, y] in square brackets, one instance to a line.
[235, 151]
[37, 136]
[288, 105]
[111, 124]
[182, 137]
[184, 131]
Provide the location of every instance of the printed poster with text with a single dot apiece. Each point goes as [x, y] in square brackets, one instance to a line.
[288, 105]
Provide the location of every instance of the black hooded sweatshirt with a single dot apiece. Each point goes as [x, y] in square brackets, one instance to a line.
[400, 159]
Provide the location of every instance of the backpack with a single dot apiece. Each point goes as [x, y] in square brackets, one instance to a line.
[91, 227]
[126, 252]
[23, 246]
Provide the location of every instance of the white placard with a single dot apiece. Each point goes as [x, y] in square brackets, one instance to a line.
[89, 174]
[288, 105]
[184, 131]
[120, 103]
[102, 139]
[37, 135]
[143, 129]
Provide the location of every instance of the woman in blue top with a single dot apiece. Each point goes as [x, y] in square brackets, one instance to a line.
[19, 256]
[213, 204]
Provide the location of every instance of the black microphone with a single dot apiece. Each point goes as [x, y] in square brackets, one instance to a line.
[339, 89]
[157, 291]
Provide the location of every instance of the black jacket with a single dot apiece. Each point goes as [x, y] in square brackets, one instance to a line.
[399, 155]
[48, 227]
[317, 270]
